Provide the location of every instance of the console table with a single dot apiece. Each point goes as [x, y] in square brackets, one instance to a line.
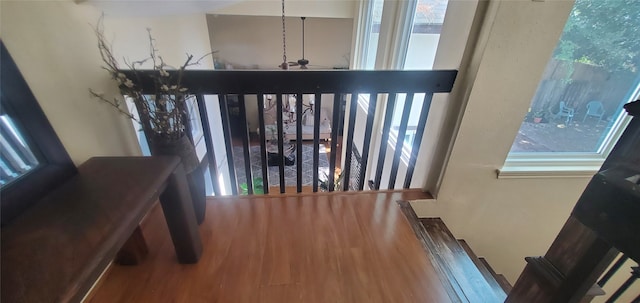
[56, 250]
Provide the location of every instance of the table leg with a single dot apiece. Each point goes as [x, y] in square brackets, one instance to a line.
[134, 250]
[181, 219]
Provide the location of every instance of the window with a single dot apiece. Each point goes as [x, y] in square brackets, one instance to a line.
[409, 42]
[425, 34]
[426, 25]
[372, 35]
[576, 114]
[17, 158]
[408, 37]
[412, 123]
[416, 50]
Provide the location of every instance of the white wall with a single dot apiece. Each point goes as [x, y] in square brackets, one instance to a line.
[456, 39]
[175, 37]
[156, 8]
[55, 49]
[297, 8]
[504, 219]
[256, 41]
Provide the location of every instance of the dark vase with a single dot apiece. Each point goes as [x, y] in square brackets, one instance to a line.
[184, 149]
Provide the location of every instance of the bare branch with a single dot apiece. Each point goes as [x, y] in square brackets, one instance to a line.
[204, 56]
[162, 117]
[115, 103]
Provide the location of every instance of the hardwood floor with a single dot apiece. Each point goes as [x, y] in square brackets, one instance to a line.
[329, 247]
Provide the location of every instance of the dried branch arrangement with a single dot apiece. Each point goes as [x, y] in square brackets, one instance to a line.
[163, 113]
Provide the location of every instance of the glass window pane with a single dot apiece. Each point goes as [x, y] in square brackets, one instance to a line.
[373, 34]
[593, 72]
[425, 34]
[421, 52]
[16, 157]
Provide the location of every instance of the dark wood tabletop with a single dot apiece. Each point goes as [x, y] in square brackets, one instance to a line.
[57, 249]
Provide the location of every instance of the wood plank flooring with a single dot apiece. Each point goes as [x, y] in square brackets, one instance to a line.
[330, 247]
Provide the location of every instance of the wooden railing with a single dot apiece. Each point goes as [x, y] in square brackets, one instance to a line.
[385, 86]
[613, 270]
[604, 222]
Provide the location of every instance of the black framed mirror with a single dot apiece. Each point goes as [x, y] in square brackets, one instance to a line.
[33, 161]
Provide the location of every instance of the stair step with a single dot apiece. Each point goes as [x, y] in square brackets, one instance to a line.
[504, 283]
[489, 274]
[460, 265]
[501, 279]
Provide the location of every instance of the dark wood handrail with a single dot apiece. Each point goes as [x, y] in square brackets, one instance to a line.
[343, 85]
[308, 82]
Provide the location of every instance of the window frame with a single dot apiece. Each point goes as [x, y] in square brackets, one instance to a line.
[569, 164]
[564, 164]
[396, 29]
[56, 166]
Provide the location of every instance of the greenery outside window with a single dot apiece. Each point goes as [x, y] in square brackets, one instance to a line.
[576, 115]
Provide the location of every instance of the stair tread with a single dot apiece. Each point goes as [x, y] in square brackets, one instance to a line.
[500, 278]
[484, 267]
[504, 283]
[461, 266]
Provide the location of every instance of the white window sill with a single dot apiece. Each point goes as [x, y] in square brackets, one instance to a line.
[531, 172]
[562, 165]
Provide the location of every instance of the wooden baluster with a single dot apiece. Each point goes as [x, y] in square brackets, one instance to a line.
[422, 123]
[337, 109]
[400, 140]
[263, 144]
[386, 127]
[316, 140]
[371, 112]
[208, 141]
[245, 144]
[635, 275]
[614, 268]
[299, 143]
[226, 130]
[280, 121]
[346, 170]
